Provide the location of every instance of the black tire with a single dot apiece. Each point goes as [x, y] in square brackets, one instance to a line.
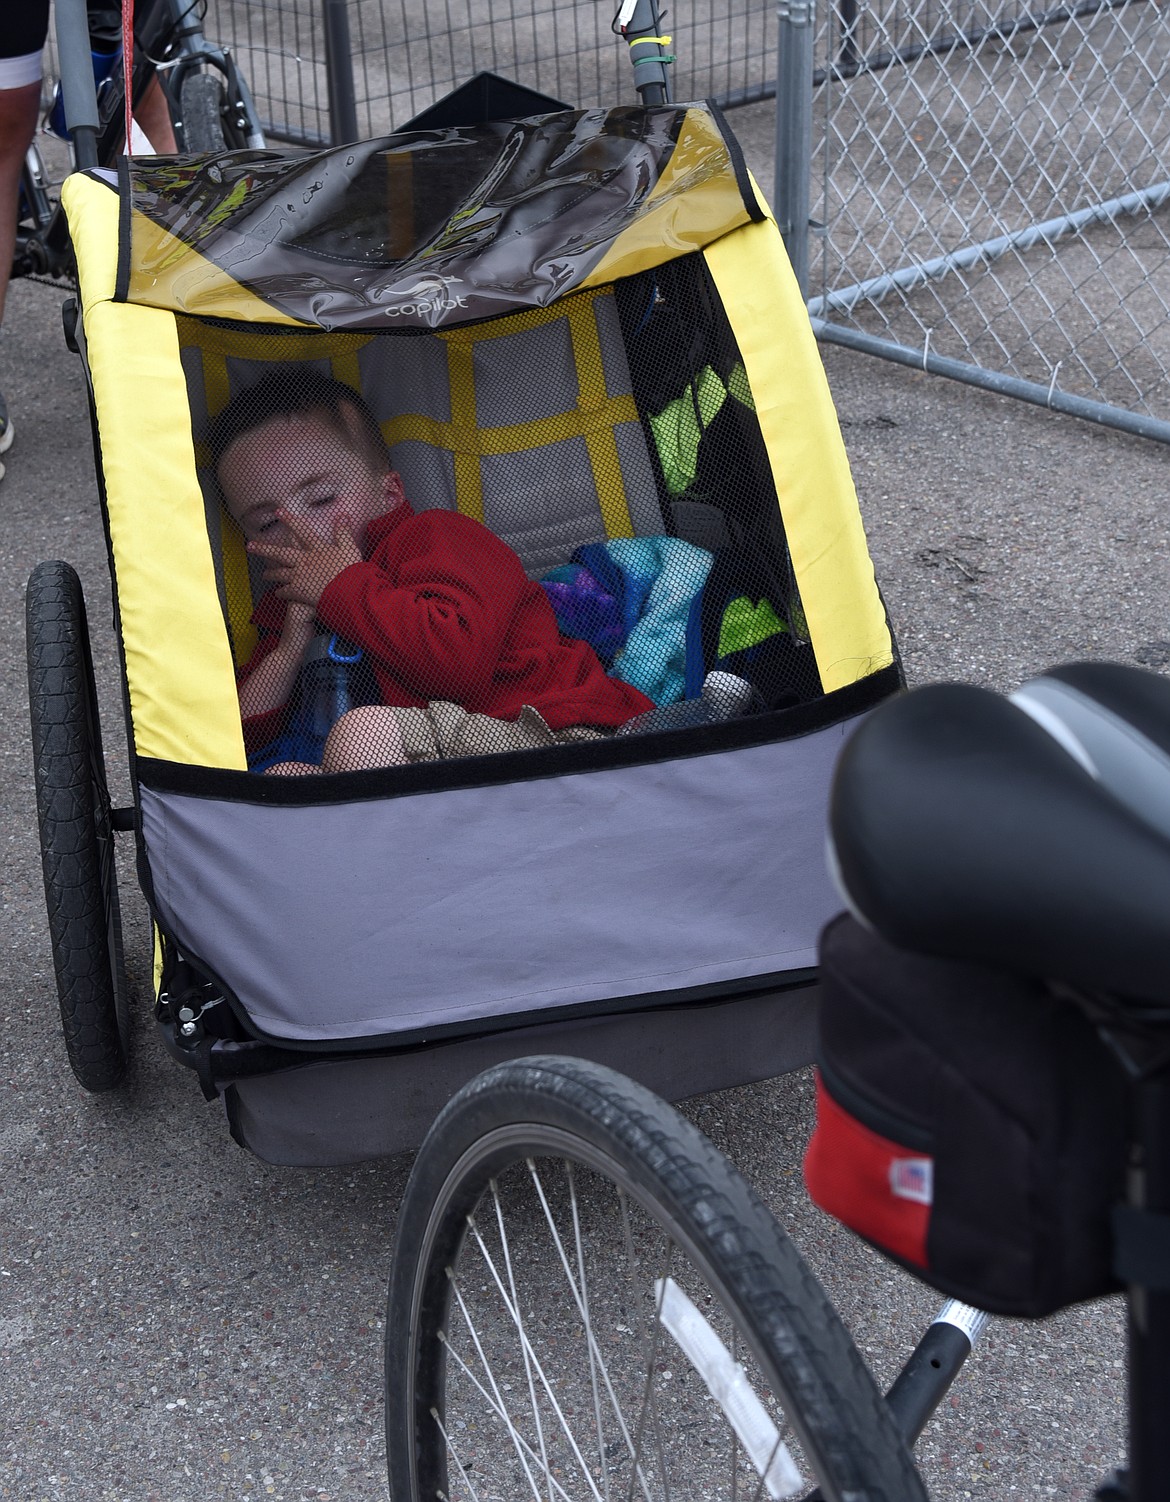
[77, 841]
[488, 1227]
[202, 100]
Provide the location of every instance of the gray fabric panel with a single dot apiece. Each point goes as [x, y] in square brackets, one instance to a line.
[345, 1112]
[406, 375]
[612, 345]
[428, 475]
[638, 480]
[526, 375]
[354, 920]
[542, 502]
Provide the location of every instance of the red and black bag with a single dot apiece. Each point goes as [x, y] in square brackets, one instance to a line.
[970, 1124]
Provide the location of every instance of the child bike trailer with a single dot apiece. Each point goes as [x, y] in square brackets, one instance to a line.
[581, 345]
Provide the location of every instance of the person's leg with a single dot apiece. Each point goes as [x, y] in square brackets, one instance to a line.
[23, 29]
[154, 118]
[18, 123]
[19, 105]
[366, 738]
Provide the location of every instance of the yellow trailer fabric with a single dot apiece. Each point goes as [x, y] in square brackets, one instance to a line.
[178, 663]
[826, 540]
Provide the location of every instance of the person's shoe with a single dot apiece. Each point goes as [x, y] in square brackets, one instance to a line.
[6, 431]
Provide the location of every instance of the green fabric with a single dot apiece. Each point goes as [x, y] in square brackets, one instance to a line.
[746, 625]
[679, 427]
[737, 386]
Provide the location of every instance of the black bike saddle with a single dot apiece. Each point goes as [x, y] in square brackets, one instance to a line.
[961, 828]
[1115, 720]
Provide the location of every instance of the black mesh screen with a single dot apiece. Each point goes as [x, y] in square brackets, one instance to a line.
[555, 527]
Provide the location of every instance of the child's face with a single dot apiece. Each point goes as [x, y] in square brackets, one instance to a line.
[304, 466]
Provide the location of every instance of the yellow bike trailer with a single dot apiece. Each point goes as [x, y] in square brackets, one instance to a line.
[579, 329]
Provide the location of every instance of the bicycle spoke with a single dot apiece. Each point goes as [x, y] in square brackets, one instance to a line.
[514, 1314]
[728, 1384]
[517, 1438]
[591, 1341]
[501, 1407]
[505, 1248]
[453, 1455]
[648, 1403]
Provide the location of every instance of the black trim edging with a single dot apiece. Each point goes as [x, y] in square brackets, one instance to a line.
[742, 177]
[522, 766]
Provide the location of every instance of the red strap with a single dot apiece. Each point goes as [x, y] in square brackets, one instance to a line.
[128, 67]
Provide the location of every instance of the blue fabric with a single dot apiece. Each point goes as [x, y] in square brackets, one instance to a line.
[297, 743]
[629, 585]
[647, 590]
[695, 669]
[654, 657]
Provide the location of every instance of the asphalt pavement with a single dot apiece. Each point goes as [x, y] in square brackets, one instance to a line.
[179, 1321]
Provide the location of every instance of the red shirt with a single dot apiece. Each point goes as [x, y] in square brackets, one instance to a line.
[444, 610]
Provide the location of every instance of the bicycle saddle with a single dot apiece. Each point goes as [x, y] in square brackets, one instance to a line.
[961, 828]
[1115, 720]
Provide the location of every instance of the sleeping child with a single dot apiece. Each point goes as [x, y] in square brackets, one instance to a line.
[463, 649]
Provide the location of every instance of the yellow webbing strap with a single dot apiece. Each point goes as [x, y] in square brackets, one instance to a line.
[594, 417]
[822, 521]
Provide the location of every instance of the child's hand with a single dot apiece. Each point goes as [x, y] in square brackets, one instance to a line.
[300, 626]
[303, 571]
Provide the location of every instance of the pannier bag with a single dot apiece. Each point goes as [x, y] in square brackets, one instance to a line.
[970, 1125]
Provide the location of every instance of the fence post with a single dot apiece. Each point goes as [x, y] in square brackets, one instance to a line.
[343, 126]
[794, 84]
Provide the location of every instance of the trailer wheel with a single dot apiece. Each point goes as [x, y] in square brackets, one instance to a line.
[77, 841]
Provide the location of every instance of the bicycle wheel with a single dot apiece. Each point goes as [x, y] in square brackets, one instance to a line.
[587, 1301]
[77, 842]
[202, 99]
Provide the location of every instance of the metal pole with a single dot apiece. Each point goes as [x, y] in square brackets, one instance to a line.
[992, 380]
[845, 299]
[643, 33]
[794, 88]
[77, 85]
[343, 126]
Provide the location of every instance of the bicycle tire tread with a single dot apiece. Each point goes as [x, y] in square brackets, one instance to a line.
[87, 965]
[202, 99]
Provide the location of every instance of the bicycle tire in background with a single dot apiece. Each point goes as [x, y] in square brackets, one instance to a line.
[202, 99]
[588, 1301]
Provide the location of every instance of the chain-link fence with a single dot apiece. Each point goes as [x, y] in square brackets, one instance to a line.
[992, 192]
[988, 186]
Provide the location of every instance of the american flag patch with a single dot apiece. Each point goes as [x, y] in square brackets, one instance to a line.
[913, 1179]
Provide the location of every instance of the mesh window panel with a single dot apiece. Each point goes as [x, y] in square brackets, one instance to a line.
[546, 528]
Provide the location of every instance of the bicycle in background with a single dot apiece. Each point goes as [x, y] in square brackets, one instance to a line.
[587, 1301]
[206, 97]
